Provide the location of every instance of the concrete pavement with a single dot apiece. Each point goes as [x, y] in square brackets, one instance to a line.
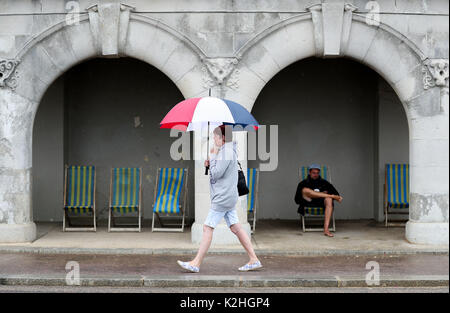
[272, 237]
[421, 270]
[291, 259]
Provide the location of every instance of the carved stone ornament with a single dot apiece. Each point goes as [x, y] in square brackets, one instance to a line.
[220, 71]
[109, 26]
[435, 73]
[332, 22]
[8, 73]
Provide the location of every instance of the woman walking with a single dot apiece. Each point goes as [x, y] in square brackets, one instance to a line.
[223, 177]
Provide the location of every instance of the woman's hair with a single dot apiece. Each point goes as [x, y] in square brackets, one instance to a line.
[224, 130]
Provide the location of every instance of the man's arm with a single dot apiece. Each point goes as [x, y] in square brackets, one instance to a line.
[298, 193]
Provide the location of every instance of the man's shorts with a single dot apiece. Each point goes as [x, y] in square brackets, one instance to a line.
[214, 218]
[314, 203]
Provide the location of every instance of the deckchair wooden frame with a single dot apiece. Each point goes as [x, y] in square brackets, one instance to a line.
[66, 217]
[112, 227]
[387, 207]
[182, 208]
[252, 220]
[315, 216]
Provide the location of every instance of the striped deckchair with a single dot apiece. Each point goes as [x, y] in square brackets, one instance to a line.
[396, 191]
[79, 196]
[170, 184]
[125, 197]
[252, 197]
[315, 212]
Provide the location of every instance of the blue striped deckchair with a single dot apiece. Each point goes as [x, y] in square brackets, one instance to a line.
[315, 211]
[79, 195]
[252, 197]
[170, 184]
[125, 197]
[396, 190]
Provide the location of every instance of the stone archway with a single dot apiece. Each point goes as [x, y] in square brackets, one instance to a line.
[327, 30]
[108, 30]
[421, 84]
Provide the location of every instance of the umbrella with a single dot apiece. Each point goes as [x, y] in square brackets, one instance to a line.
[198, 113]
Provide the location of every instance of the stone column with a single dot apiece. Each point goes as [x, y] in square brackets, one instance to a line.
[222, 234]
[219, 73]
[16, 120]
[429, 167]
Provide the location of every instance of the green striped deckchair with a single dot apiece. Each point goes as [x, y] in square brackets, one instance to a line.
[315, 211]
[79, 195]
[170, 184]
[396, 190]
[252, 197]
[125, 197]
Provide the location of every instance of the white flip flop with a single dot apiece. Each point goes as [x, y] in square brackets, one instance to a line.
[186, 266]
[250, 267]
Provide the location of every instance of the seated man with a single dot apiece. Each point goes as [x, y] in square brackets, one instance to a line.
[314, 191]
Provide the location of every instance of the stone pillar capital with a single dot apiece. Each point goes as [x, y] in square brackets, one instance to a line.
[220, 71]
[8, 73]
[435, 73]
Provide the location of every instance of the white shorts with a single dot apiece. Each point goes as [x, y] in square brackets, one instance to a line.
[214, 218]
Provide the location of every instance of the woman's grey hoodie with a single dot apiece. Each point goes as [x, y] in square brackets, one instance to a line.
[223, 177]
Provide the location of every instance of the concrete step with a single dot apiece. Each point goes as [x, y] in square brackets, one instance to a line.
[222, 251]
[228, 281]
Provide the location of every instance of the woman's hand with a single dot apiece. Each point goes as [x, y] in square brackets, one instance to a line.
[206, 163]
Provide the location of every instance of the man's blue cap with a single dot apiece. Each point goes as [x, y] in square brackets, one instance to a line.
[314, 166]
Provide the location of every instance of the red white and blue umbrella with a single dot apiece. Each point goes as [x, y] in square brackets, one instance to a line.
[196, 113]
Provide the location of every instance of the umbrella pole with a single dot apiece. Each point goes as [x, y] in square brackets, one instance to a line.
[207, 142]
[207, 152]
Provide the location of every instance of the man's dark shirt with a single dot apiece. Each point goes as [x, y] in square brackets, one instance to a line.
[310, 183]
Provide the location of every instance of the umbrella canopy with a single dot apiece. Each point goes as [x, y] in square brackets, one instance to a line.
[196, 113]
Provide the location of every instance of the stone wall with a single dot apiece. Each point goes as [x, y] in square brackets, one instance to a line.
[233, 48]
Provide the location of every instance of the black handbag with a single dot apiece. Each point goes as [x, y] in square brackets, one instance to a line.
[242, 184]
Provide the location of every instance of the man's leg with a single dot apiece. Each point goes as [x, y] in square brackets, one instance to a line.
[204, 246]
[309, 193]
[245, 241]
[328, 212]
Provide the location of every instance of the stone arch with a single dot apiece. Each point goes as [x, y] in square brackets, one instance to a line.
[48, 55]
[52, 52]
[294, 39]
[56, 49]
[422, 91]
